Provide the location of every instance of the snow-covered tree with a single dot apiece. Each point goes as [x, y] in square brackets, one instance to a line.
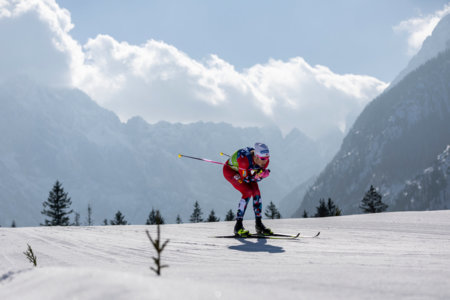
[57, 207]
[371, 203]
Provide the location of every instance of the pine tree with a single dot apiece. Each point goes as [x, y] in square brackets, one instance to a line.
[322, 209]
[89, 220]
[13, 224]
[77, 219]
[154, 218]
[119, 219]
[178, 220]
[272, 211]
[57, 207]
[371, 203]
[212, 217]
[327, 209]
[105, 222]
[196, 216]
[305, 214]
[230, 216]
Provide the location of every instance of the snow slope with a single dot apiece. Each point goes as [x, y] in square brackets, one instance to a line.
[402, 255]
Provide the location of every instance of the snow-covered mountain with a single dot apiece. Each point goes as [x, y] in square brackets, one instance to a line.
[403, 255]
[438, 41]
[51, 134]
[396, 137]
[429, 190]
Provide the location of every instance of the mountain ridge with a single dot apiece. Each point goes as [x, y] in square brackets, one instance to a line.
[396, 136]
[61, 134]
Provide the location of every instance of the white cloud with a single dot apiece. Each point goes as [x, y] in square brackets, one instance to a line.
[159, 82]
[418, 29]
[36, 43]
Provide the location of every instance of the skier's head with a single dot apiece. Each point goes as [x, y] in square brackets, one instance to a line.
[262, 151]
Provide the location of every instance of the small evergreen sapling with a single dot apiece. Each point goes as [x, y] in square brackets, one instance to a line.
[30, 255]
[159, 249]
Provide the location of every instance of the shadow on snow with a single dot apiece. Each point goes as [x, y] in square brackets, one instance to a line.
[259, 246]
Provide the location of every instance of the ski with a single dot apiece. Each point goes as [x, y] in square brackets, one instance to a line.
[272, 236]
[310, 236]
[257, 236]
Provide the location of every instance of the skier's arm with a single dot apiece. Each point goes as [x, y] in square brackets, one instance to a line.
[262, 174]
[244, 171]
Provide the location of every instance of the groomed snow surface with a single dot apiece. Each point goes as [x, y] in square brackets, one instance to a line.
[404, 255]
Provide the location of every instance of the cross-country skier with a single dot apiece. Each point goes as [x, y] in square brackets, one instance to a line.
[244, 169]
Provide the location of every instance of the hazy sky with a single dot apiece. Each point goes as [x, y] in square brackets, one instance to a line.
[311, 65]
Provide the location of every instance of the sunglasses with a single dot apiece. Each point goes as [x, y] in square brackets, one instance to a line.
[262, 158]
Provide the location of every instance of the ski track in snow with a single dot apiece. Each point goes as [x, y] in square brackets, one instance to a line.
[402, 255]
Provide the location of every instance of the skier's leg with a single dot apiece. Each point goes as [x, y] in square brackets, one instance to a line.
[246, 189]
[246, 192]
[257, 207]
[257, 203]
[239, 226]
[241, 208]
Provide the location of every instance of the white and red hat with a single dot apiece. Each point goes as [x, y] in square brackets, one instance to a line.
[261, 150]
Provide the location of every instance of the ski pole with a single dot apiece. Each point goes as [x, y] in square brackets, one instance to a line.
[221, 153]
[203, 159]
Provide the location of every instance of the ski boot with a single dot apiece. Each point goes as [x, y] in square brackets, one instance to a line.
[239, 229]
[261, 229]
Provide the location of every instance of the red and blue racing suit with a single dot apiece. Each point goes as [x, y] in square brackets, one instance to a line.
[240, 171]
